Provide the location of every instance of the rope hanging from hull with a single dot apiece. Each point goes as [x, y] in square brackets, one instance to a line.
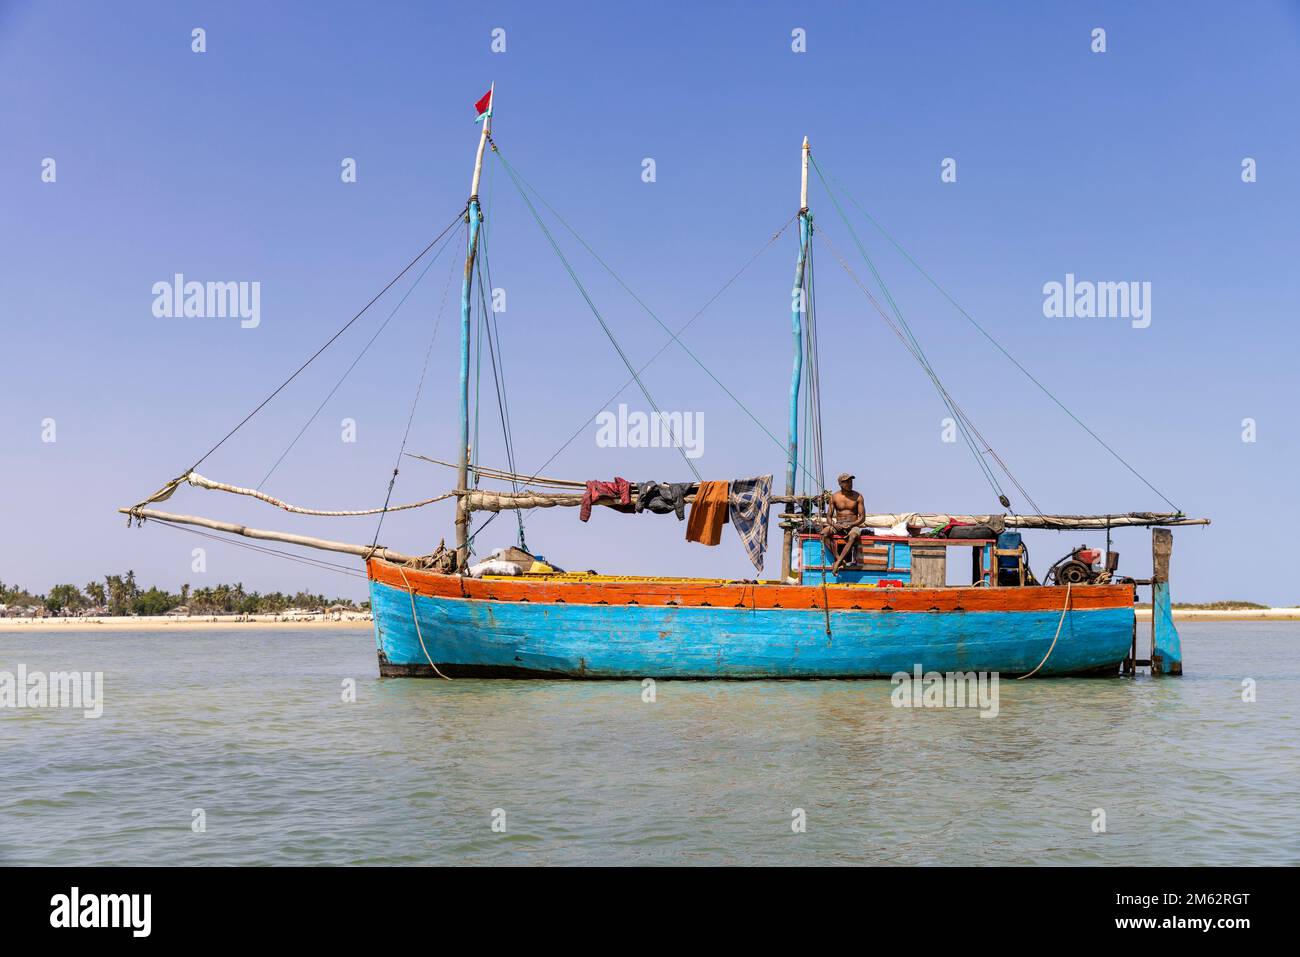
[416, 618]
[1052, 647]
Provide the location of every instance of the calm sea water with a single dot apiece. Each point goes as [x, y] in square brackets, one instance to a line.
[251, 727]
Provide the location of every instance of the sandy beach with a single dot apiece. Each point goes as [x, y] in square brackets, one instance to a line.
[181, 623]
[1235, 614]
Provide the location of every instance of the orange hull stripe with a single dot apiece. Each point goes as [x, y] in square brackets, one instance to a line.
[740, 595]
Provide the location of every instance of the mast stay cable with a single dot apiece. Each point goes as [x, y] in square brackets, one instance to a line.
[771, 240]
[492, 332]
[315, 355]
[987, 335]
[953, 402]
[674, 337]
[406, 295]
[609, 333]
[414, 404]
[916, 349]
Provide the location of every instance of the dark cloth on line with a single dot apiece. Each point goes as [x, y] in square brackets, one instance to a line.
[708, 513]
[620, 490]
[749, 503]
[662, 498]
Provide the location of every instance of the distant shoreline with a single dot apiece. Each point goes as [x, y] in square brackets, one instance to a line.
[1227, 614]
[355, 622]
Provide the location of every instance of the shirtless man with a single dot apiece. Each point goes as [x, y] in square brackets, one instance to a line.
[848, 513]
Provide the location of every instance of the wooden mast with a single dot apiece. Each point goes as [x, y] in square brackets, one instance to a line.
[475, 216]
[796, 315]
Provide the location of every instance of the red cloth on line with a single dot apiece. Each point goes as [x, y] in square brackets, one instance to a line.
[620, 490]
[482, 105]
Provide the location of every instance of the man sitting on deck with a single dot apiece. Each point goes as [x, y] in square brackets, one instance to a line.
[848, 515]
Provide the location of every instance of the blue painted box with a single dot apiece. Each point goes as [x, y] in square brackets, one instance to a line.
[897, 568]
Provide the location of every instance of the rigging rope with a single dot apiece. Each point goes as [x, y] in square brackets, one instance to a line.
[609, 333]
[988, 448]
[502, 475]
[674, 337]
[535, 478]
[329, 341]
[987, 335]
[411, 417]
[481, 262]
[497, 358]
[274, 552]
[815, 442]
[918, 353]
[664, 348]
[436, 256]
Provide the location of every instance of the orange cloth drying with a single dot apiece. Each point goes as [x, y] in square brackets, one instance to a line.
[708, 513]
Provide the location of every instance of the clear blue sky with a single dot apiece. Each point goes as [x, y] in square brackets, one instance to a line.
[225, 165]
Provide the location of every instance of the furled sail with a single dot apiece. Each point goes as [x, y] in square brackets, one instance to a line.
[200, 481]
[493, 501]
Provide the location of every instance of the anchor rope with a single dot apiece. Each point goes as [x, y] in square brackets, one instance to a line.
[1064, 609]
[416, 618]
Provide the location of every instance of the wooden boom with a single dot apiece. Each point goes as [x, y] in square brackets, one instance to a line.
[365, 551]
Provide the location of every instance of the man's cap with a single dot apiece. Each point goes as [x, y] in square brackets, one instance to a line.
[846, 477]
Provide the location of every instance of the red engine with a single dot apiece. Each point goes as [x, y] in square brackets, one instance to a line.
[1080, 567]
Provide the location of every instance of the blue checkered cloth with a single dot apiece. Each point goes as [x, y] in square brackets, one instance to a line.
[748, 508]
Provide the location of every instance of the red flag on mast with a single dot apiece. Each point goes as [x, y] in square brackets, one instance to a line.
[483, 106]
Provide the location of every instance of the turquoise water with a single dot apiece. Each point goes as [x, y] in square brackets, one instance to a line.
[250, 727]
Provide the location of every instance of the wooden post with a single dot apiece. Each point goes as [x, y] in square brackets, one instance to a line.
[1166, 648]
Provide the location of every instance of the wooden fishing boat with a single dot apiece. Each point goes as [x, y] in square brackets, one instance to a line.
[601, 627]
[888, 609]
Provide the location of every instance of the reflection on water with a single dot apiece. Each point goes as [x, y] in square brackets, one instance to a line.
[252, 728]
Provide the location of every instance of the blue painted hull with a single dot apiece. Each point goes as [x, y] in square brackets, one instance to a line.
[469, 637]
